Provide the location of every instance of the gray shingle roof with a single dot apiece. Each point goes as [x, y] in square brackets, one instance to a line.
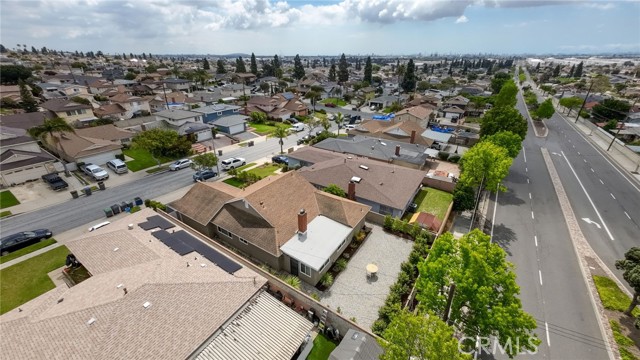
[379, 149]
[231, 120]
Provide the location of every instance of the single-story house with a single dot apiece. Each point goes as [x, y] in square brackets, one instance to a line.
[406, 131]
[452, 112]
[21, 159]
[177, 84]
[107, 132]
[384, 101]
[76, 148]
[231, 124]
[212, 113]
[155, 291]
[282, 221]
[417, 114]
[25, 120]
[437, 136]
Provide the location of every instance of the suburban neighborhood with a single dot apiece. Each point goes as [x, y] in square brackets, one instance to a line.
[176, 204]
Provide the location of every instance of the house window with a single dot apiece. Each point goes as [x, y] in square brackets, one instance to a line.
[82, 111]
[243, 241]
[71, 113]
[386, 210]
[305, 269]
[223, 231]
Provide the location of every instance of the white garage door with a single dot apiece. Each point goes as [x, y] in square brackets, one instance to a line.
[24, 175]
[99, 159]
[236, 129]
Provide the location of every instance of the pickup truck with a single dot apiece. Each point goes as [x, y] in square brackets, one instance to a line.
[95, 171]
[55, 182]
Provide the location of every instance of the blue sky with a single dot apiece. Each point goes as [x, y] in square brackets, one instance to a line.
[382, 27]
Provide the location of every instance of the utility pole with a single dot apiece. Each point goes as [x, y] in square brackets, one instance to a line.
[447, 308]
[584, 102]
[164, 91]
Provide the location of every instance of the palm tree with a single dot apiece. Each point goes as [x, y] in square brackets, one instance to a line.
[281, 133]
[339, 121]
[50, 127]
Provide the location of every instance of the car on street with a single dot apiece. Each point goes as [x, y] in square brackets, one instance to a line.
[95, 172]
[330, 105]
[280, 159]
[22, 239]
[232, 163]
[180, 164]
[305, 139]
[204, 174]
[349, 127]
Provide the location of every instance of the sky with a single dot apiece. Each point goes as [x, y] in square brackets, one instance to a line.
[354, 27]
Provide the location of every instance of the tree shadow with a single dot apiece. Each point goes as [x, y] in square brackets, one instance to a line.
[503, 236]
[510, 198]
[516, 177]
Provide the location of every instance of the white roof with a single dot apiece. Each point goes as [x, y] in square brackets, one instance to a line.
[322, 239]
[437, 136]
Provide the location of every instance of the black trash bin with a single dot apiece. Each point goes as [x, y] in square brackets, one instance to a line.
[123, 206]
[101, 185]
[116, 209]
[138, 201]
[87, 190]
[108, 212]
[74, 194]
[219, 152]
[130, 205]
[251, 143]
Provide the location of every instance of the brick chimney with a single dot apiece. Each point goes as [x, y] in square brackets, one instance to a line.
[413, 137]
[302, 221]
[351, 191]
[397, 150]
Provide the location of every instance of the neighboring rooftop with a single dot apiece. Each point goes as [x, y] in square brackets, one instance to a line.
[378, 149]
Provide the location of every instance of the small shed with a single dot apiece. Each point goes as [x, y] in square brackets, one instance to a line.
[356, 345]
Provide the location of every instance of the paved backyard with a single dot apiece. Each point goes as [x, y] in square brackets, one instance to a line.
[358, 296]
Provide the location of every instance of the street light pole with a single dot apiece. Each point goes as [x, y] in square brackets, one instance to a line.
[584, 102]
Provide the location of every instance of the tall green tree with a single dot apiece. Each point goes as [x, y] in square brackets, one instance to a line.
[600, 84]
[240, 67]
[420, 337]
[485, 163]
[12, 74]
[281, 133]
[343, 70]
[464, 197]
[503, 119]
[571, 103]
[611, 109]
[277, 66]
[556, 71]
[335, 190]
[298, 68]
[27, 102]
[545, 110]
[498, 81]
[162, 143]
[220, 69]
[508, 140]
[485, 302]
[507, 95]
[578, 71]
[332, 72]
[47, 131]
[339, 120]
[205, 161]
[368, 70]
[314, 96]
[409, 80]
[631, 267]
[254, 64]
[258, 117]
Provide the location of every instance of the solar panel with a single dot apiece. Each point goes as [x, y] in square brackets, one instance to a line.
[156, 221]
[208, 252]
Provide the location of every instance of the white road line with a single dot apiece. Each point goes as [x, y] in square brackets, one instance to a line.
[493, 221]
[588, 197]
[524, 153]
[629, 217]
[579, 154]
[526, 169]
[529, 196]
[570, 141]
[601, 182]
[533, 217]
[612, 196]
[573, 145]
[535, 238]
[546, 326]
[527, 180]
[540, 275]
[585, 160]
[592, 170]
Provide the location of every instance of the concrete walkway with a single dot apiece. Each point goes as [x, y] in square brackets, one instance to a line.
[29, 255]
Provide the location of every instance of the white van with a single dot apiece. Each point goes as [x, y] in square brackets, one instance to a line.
[117, 166]
[297, 127]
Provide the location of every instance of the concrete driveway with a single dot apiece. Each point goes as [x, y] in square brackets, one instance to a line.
[359, 297]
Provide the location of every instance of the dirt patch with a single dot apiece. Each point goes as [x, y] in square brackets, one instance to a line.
[540, 127]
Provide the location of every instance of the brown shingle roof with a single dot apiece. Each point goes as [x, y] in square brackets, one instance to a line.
[59, 105]
[202, 202]
[76, 146]
[420, 112]
[109, 109]
[105, 132]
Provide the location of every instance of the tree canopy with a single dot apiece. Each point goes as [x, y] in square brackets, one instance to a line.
[11, 74]
[631, 267]
[503, 119]
[27, 102]
[335, 190]
[332, 72]
[298, 69]
[420, 337]
[485, 161]
[498, 81]
[162, 142]
[343, 71]
[240, 67]
[205, 161]
[368, 71]
[485, 302]
[281, 133]
[611, 109]
[508, 140]
[464, 197]
[545, 110]
[254, 64]
[571, 103]
[409, 79]
[220, 67]
[507, 94]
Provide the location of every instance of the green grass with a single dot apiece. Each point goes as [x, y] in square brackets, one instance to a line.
[234, 182]
[262, 171]
[322, 348]
[5, 213]
[244, 167]
[433, 201]
[7, 199]
[618, 335]
[472, 120]
[612, 297]
[338, 102]
[29, 249]
[264, 129]
[522, 78]
[28, 279]
[142, 159]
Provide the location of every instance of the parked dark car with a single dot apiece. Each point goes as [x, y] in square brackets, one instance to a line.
[330, 105]
[305, 139]
[18, 241]
[205, 174]
[55, 182]
[280, 159]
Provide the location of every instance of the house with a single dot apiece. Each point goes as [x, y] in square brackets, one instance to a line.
[213, 112]
[107, 132]
[406, 131]
[472, 90]
[98, 86]
[177, 84]
[133, 105]
[388, 189]
[21, 159]
[233, 90]
[279, 106]
[11, 92]
[246, 78]
[366, 93]
[384, 101]
[25, 120]
[71, 111]
[389, 151]
[152, 299]
[356, 345]
[452, 112]
[417, 114]
[110, 111]
[231, 124]
[54, 91]
[209, 97]
[185, 123]
[75, 148]
[457, 101]
[437, 136]
[282, 221]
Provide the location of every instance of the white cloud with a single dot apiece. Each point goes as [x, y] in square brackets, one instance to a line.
[600, 5]
[462, 19]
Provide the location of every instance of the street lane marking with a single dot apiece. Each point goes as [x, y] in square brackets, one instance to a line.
[588, 197]
[527, 180]
[540, 274]
[579, 154]
[535, 238]
[592, 170]
[546, 326]
[573, 146]
[585, 160]
[601, 182]
[526, 169]
[612, 196]
[529, 196]
[524, 153]
[629, 217]
[533, 217]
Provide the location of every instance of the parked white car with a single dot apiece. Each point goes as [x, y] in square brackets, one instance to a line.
[95, 171]
[180, 164]
[232, 163]
[349, 127]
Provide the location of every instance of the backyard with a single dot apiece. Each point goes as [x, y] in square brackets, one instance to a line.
[266, 129]
[322, 348]
[142, 159]
[28, 279]
[7, 199]
[434, 202]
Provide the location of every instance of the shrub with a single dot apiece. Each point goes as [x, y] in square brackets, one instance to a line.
[454, 158]
[315, 296]
[379, 326]
[404, 280]
[388, 222]
[135, 209]
[321, 111]
[326, 280]
[120, 157]
[353, 319]
[398, 225]
[407, 268]
[360, 236]
[443, 155]
[340, 264]
[584, 114]
[292, 281]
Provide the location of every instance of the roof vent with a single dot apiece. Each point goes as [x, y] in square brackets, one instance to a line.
[116, 249]
[146, 305]
[383, 143]
[119, 286]
[356, 179]
[364, 167]
[91, 321]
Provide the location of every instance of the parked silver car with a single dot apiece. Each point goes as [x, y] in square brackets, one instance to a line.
[180, 164]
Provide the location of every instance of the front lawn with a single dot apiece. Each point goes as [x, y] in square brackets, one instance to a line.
[5, 213]
[434, 202]
[29, 249]
[338, 102]
[261, 171]
[7, 199]
[612, 297]
[28, 279]
[322, 348]
[265, 129]
[142, 159]
[244, 167]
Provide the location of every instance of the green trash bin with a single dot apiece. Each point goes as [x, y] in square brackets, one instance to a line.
[108, 212]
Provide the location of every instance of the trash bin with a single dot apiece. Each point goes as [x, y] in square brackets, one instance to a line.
[219, 152]
[87, 190]
[116, 209]
[130, 204]
[101, 185]
[74, 194]
[123, 206]
[251, 143]
[138, 201]
[108, 212]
